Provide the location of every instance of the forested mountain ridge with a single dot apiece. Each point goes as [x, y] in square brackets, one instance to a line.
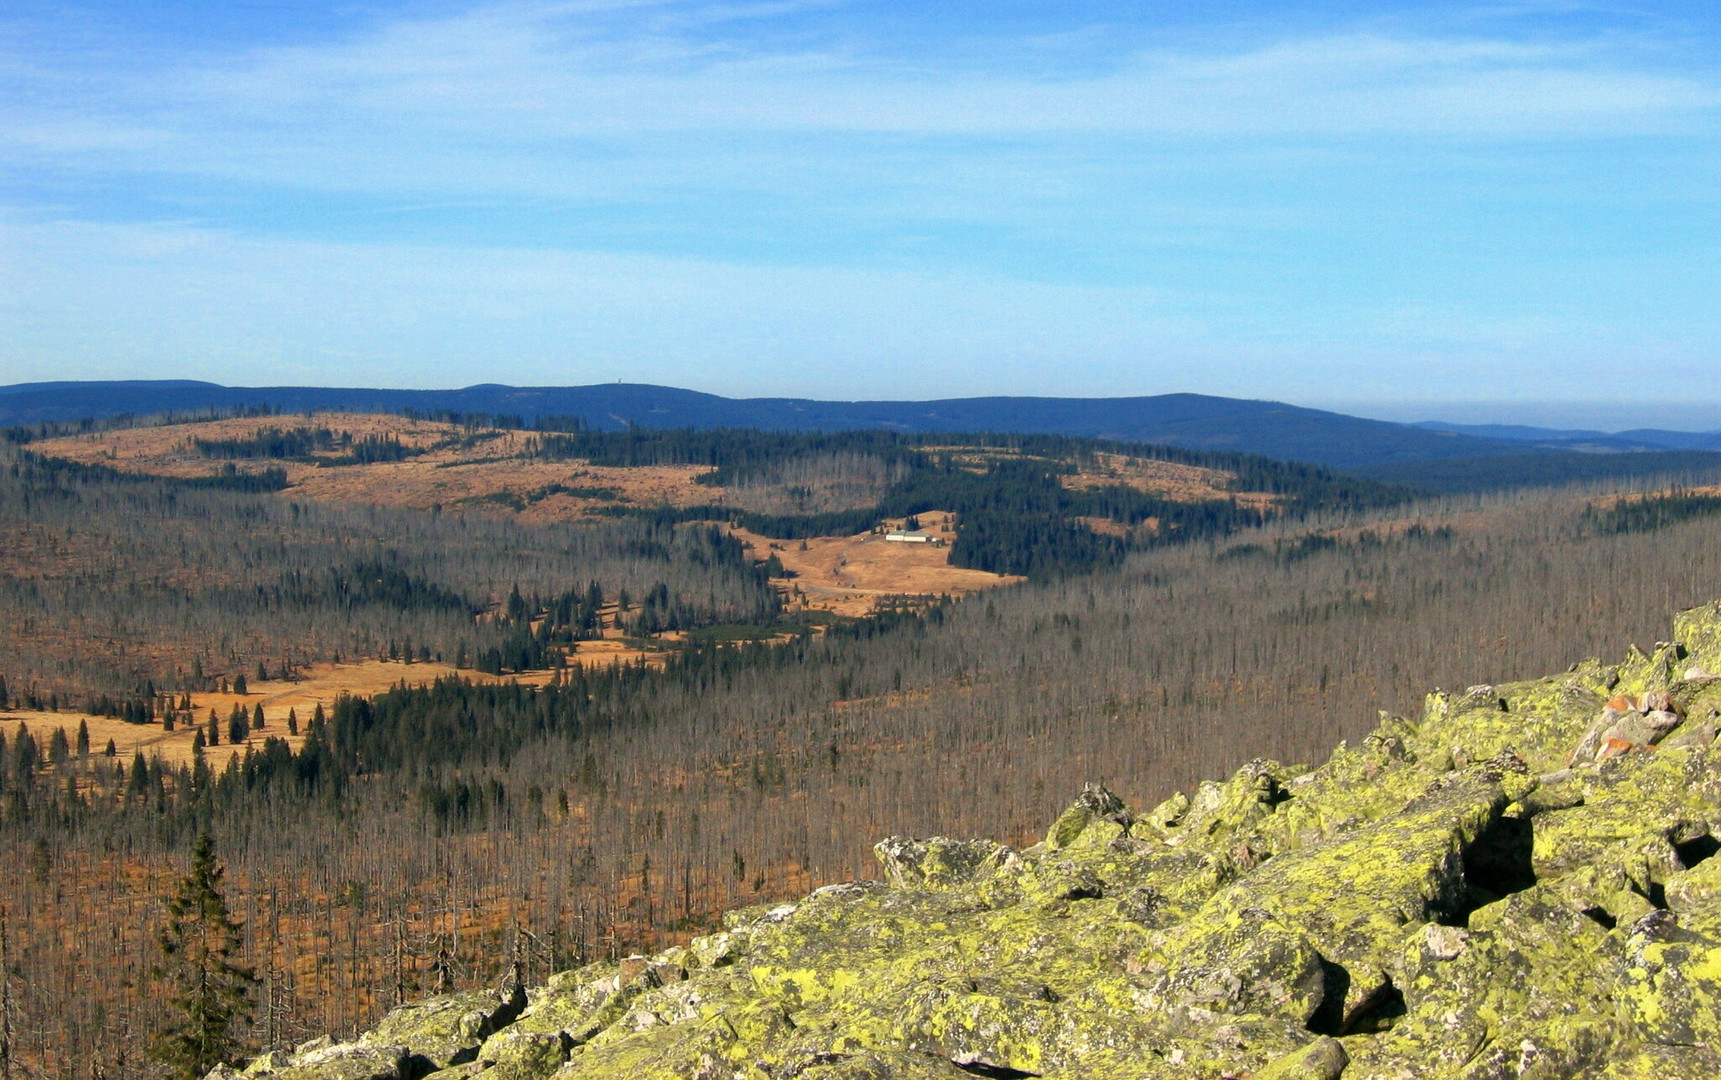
[1516, 882]
[1195, 421]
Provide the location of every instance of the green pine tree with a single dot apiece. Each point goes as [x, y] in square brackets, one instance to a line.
[208, 991]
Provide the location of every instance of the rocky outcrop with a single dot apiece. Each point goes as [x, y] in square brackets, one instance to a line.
[1517, 883]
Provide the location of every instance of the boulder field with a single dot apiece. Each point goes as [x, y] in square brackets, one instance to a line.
[1518, 883]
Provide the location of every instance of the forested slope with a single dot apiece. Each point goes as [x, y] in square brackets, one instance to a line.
[431, 837]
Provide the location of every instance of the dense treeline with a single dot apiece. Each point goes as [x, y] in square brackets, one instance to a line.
[305, 444]
[1501, 472]
[271, 442]
[1650, 512]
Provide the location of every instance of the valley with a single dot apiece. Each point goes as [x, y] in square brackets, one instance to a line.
[560, 739]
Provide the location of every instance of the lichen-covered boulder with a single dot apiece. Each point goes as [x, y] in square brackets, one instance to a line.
[1323, 1059]
[523, 1055]
[1672, 983]
[1354, 896]
[1698, 631]
[1250, 964]
[445, 1031]
[577, 1005]
[1094, 806]
[327, 1060]
[938, 862]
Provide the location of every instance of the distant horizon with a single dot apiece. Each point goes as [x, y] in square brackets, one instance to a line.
[1604, 417]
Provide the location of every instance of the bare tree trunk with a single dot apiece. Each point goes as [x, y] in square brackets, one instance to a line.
[5, 1000]
[400, 957]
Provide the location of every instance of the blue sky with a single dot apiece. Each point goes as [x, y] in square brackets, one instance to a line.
[1392, 208]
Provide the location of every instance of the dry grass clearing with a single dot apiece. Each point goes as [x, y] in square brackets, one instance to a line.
[318, 684]
[485, 470]
[1168, 480]
[855, 575]
[1609, 502]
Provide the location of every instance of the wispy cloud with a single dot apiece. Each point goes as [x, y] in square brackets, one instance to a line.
[1409, 196]
[541, 77]
[133, 301]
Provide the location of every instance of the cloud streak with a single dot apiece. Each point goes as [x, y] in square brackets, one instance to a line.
[544, 76]
[135, 300]
[1363, 202]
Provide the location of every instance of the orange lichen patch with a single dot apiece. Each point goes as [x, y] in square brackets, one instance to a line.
[1612, 748]
[855, 575]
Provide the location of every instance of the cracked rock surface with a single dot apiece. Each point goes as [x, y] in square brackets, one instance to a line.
[1517, 883]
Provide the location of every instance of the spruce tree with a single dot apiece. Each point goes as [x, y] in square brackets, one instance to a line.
[208, 991]
[25, 756]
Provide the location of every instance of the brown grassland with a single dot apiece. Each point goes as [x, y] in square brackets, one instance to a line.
[452, 472]
[316, 684]
[855, 575]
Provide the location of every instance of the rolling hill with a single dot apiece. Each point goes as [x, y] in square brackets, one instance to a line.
[1432, 456]
[1194, 421]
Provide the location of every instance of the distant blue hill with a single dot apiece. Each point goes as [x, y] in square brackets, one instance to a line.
[1557, 438]
[1406, 452]
[1189, 420]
